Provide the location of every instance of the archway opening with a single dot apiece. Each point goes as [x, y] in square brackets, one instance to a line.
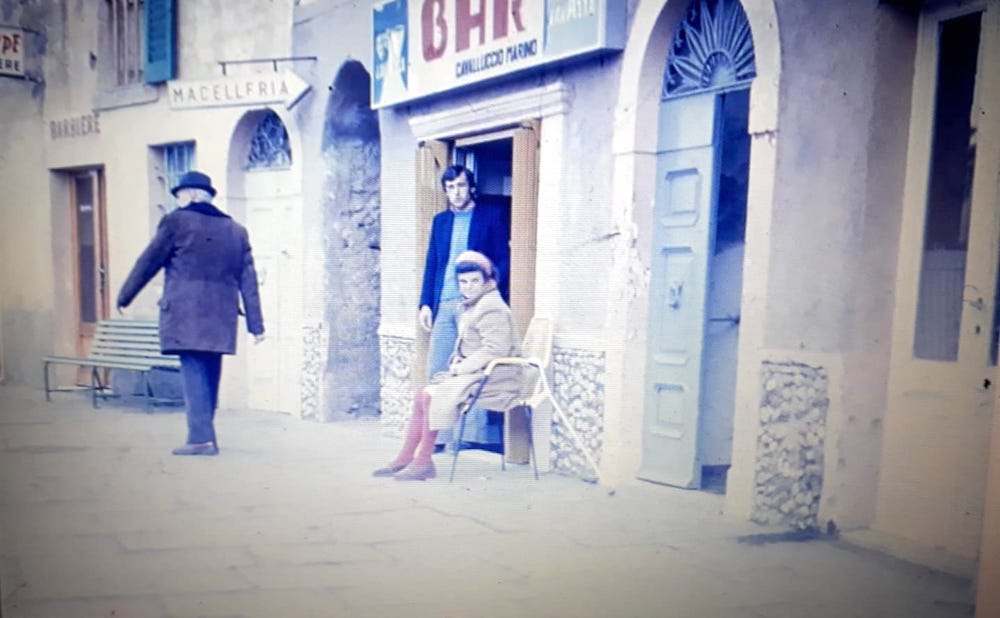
[702, 173]
[264, 192]
[351, 155]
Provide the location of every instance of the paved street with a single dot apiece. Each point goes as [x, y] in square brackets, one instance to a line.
[98, 519]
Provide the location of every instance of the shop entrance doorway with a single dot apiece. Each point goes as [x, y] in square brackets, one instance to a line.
[505, 164]
[90, 256]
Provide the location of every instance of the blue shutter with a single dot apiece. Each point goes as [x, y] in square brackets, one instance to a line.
[158, 59]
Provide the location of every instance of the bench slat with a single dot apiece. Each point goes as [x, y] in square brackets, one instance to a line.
[109, 363]
[123, 334]
[127, 345]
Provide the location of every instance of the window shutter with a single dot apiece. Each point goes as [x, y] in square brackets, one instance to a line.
[158, 59]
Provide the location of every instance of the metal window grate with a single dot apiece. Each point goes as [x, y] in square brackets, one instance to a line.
[269, 147]
[173, 160]
[712, 49]
[125, 30]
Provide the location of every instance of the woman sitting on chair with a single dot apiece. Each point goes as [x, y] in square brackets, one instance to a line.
[485, 331]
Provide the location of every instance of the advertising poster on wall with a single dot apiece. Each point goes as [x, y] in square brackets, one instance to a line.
[11, 51]
[425, 47]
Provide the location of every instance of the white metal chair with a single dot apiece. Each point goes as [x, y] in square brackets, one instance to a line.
[536, 348]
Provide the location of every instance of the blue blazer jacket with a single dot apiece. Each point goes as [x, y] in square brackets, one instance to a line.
[489, 234]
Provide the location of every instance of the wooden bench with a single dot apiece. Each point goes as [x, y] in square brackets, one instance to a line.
[118, 344]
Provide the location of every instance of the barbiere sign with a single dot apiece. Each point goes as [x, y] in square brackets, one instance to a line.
[424, 47]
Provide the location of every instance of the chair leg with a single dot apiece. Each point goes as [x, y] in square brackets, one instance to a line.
[458, 446]
[531, 440]
[503, 441]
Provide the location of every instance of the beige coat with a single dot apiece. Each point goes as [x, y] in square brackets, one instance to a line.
[485, 331]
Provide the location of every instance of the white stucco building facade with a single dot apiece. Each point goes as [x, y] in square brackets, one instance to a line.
[764, 268]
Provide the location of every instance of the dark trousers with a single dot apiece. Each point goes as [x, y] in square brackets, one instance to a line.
[201, 372]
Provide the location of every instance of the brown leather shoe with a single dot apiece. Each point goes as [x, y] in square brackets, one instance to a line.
[417, 472]
[389, 470]
[204, 448]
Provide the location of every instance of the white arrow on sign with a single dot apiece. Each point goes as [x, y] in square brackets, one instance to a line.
[282, 87]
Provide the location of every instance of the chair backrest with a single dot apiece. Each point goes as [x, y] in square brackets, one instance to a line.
[537, 344]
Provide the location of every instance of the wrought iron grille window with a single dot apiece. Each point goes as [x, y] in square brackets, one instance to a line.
[712, 49]
[269, 147]
[173, 161]
[125, 27]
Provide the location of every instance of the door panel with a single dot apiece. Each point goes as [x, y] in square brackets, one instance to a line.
[685, 198]
[937, 426]
[432, 158]
[524, 223]
[272, 222]
[262, 221]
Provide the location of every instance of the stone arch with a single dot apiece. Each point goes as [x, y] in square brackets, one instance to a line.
[633, 193]
[351, 155]
[243, 134]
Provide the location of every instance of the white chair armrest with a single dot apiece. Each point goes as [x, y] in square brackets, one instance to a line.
[512, 360]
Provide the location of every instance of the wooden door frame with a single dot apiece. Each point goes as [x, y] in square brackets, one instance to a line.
[100, 249]
[432, 158]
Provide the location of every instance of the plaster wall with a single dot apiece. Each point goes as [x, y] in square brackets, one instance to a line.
[399, 250]
[832, 240]
[70, 56]
[826, 110]
[215, 31]
[26, 256]
[855, 434]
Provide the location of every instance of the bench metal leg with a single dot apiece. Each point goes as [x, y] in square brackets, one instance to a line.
[95, 384]
[45, 369]
[149, 392]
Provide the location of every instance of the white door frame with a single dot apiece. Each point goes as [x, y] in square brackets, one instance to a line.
[936, 436]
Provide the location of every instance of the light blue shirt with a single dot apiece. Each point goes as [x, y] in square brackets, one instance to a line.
[459, 243]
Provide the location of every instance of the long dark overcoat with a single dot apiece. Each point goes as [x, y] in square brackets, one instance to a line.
[207, 266]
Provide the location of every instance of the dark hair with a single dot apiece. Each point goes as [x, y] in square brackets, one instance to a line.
[454, 171]
[471, 267]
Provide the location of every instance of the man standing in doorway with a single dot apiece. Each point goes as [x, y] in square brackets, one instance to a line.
[464, 225]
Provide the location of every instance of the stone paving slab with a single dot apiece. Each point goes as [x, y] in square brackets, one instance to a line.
[98, 519]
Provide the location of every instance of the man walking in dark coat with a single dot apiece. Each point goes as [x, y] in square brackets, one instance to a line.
[207, 266]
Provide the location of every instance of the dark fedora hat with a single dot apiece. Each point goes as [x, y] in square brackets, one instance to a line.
[194, 180]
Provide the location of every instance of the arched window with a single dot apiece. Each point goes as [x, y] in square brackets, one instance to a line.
[712, 49]
[269, 147]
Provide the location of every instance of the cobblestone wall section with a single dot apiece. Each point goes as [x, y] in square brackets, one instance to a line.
[314, 342]
[789, 476]
[577, 384]
[395, 384]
